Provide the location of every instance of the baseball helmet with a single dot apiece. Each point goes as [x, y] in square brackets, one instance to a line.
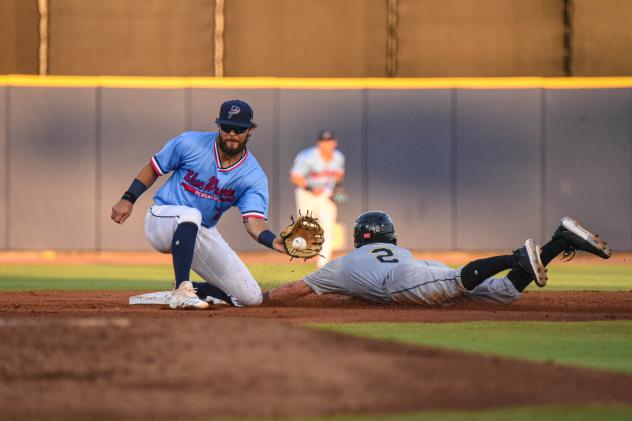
[374, 227]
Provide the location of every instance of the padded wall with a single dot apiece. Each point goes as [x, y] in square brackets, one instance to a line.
[3, 167]
[52, 168]
[204, 110]
[329, 38]
[588, 161]
[498, 168]
[302, 114]
[602, 37]
[324, 38]
[133, 125]
[480, 38]
[466, 169]
[408, 160]
[122, 37]
[19, 37]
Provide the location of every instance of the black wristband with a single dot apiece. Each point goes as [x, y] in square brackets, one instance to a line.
[266, 238]
[129, 197]
[134, 191]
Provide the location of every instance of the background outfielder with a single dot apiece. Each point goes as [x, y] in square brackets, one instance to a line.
[212, 171]
[379, 270]
[318, 173]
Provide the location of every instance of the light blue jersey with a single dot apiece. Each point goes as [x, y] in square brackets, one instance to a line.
[316, 171]
[199, 182]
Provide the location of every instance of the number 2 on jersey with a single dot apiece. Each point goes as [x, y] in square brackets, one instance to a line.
[384, 258]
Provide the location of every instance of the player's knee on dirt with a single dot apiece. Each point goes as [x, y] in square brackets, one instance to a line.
[254, 298]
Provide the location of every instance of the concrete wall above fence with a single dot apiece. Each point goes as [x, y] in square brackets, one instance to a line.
[473, 164]
[318, 38]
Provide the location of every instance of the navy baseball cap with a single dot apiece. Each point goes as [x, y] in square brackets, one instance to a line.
[326, 134]
[237, 113]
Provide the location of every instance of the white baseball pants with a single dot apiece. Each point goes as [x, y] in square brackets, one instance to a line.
[213, 259]
[326, 211]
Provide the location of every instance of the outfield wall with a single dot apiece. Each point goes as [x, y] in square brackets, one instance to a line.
[469, 164]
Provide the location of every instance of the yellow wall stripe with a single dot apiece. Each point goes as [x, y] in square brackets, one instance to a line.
[315, 83]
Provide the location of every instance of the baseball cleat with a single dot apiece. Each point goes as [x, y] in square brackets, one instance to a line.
[579, 238]
[530, 261]
[184, 297]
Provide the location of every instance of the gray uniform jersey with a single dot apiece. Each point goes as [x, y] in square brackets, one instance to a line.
[384, 272]
[362, 273]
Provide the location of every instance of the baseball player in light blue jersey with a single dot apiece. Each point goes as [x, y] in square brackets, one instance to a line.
[211, 172]
[317, 174]
[378, 270]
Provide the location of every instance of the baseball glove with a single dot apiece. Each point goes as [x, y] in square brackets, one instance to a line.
[305, 226]
[339, 195]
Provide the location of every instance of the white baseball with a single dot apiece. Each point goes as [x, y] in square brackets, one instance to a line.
[299, 243]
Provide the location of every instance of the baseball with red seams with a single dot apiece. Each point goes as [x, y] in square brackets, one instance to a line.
[299, 243]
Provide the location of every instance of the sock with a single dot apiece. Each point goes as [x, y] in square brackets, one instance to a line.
[204, 289]
[551, 249]
[521, 279]
[182, 247]
[477, 271]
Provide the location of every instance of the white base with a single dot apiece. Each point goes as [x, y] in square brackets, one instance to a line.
[162, 298]
[159, 298]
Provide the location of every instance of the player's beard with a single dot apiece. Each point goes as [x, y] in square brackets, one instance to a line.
[231, 151]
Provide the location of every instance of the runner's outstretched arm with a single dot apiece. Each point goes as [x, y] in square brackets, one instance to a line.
[287, 292]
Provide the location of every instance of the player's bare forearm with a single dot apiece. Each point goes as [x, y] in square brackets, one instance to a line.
[255, 226]
[123, 208]
[147, 175]
[287, 292]
[298, 180]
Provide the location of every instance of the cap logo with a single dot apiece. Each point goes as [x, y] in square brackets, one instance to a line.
[233, 110]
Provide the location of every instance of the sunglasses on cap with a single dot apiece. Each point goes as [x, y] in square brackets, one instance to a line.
[227, 128]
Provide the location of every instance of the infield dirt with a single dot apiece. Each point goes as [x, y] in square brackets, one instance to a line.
[88, 355]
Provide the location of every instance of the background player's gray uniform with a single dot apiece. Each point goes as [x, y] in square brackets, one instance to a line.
[384, 272]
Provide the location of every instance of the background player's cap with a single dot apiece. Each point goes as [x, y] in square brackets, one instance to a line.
[237, 113]
[326, 134]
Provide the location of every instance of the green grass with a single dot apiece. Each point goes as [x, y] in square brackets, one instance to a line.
[604, 277]
[21, 277]
[585, 413]
[602, 344]
[562, 276]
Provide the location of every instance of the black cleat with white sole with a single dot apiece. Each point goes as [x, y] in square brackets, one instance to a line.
[528, 258]
[579, 238]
